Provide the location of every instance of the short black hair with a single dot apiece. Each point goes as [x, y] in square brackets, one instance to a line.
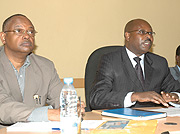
[130, 25]
[9, 18]
[178, 51]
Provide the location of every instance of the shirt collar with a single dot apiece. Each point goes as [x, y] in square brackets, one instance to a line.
[131, 55]
[27, 62]
[25, 65]
[178, 67]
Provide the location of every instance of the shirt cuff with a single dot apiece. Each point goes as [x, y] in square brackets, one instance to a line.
[127, 100]
[177, 94]
[39, 114]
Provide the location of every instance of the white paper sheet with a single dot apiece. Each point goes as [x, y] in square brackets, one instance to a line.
[47, 126]
[171, 111]
[33, 127]
[91, 124]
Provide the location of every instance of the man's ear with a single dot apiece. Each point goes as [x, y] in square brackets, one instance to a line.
[177, 59]
[3, 37]
[127, 36]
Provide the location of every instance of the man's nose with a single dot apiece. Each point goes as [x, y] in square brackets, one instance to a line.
[26, 35]
[148, 36]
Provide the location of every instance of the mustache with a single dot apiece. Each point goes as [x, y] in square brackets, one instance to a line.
[148, 40]
[26, 42]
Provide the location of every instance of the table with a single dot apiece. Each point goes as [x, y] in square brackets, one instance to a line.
[93, 115]
[161, 127]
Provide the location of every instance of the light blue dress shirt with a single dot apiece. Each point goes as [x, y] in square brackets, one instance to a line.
[178, 67]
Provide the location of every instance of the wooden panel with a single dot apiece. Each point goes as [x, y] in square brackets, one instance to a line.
[78, 82]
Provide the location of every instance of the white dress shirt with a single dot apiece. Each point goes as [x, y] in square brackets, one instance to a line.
[131, 55]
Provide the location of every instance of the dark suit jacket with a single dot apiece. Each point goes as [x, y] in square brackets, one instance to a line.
[175, 73]
[116, 77]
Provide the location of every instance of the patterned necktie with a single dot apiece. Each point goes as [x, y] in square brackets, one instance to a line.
[139, 71]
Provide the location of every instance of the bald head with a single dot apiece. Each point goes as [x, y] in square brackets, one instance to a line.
[18, 36]
[138, 35]
[10, 19]
[134, 24]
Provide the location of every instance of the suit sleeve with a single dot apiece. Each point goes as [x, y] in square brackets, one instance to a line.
[174, 73]
[12, 111]
[103, 94]
[55, 86]
[170, 84]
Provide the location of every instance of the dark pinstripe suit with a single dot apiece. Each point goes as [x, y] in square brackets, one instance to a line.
[116, 77]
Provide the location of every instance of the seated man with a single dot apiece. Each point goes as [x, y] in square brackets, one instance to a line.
[27, 81]
[175, 71]
[132, 76]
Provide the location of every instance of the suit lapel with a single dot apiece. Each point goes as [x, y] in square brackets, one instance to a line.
[32, 82]
[11, 77]
[129, 69]
[32, 79]
[148, 70]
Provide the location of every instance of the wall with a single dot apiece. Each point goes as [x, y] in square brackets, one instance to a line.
[69, 30]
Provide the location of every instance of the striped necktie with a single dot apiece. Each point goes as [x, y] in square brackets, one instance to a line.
[139, 71]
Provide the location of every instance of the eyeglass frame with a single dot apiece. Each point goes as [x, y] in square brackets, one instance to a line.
[24, 31]
[145, 32]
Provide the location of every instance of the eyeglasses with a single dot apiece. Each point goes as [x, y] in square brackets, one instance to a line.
[143, 32]
[21, 32]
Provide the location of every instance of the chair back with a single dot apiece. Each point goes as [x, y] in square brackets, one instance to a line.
[91, 70]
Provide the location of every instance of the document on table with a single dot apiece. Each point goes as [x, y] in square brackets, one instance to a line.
[91, 124]
[49, 126]
[171, 111]
[34, 127]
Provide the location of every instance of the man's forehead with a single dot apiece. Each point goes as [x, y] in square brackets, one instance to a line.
[19, 21]
[142, 25]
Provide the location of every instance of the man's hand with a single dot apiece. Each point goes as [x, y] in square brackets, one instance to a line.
[82, 108]
[149, 96]
[168, 97]
[54, 114]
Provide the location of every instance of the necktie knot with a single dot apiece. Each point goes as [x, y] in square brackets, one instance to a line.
[137, 59]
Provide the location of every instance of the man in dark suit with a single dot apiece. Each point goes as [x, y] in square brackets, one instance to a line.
[175, 71]
[117, 83]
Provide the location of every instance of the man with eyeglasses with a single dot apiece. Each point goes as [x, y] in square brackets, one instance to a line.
[132, 76]
[28, 82]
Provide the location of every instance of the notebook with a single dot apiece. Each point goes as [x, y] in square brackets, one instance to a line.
[127, 127]
[133, 114]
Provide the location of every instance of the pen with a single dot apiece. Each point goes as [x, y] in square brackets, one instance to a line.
[36, 98]
[56, 129]
[40, 100]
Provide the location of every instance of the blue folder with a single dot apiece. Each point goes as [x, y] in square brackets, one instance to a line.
[133, 114]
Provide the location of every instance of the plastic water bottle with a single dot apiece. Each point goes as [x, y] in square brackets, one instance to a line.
[68, 106]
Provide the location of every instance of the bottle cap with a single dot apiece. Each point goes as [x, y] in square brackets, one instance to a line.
[68, 80]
